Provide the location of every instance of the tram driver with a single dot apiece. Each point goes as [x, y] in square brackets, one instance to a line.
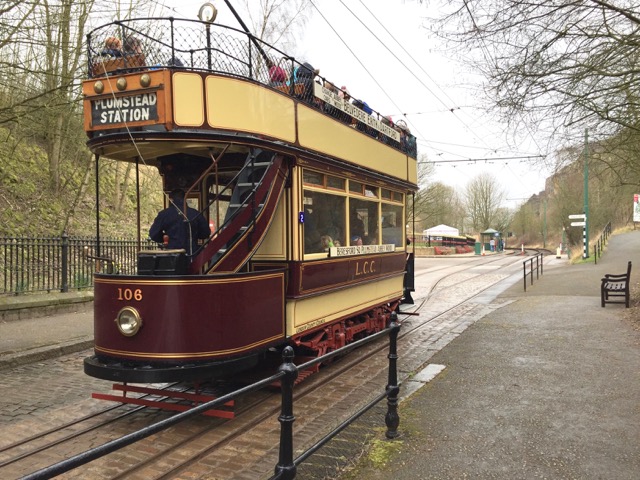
[183, 231]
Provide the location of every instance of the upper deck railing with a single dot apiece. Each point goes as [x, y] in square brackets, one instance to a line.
[151, 43]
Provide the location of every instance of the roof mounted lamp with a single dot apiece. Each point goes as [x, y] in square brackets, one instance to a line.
[208, 13]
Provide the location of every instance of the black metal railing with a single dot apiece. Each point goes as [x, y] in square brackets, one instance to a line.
[146, 43]
[538, 268]
[286, 466]
[61, 264]
[599, 244]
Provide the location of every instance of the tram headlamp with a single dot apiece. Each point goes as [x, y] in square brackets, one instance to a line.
[128, 321]
[208, 13]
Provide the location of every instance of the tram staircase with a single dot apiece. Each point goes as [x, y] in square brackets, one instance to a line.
[259, 186]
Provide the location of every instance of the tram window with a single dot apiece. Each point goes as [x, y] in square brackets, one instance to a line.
[312, 178]
[335, 182]
[392, 195]
[324, 221]
[218, 206]
[392, 225]
[363, 222]
[370, 191]
[356, 187]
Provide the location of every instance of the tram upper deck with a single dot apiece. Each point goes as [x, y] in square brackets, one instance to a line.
[162, 86]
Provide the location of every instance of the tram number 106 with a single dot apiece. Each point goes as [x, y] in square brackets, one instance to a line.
[130, 294]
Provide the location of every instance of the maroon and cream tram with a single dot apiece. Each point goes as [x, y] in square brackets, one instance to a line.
[307, 192]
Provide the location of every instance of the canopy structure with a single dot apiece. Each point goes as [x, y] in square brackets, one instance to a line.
[441, 231]
[486, 237]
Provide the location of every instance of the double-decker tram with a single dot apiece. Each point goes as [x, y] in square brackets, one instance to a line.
[306, 187]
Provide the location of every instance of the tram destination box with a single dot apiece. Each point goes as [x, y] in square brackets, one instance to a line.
[162, 262]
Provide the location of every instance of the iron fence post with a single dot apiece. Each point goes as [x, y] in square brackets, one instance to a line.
[65, 262]
[392, 419]
[531, 269]
[286, 469]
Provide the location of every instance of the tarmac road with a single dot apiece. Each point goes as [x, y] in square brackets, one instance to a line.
[547, 386]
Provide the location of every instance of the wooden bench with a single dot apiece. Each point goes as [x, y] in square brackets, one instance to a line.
[616, 285]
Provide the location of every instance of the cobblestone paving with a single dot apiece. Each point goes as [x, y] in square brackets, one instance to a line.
[39, 396]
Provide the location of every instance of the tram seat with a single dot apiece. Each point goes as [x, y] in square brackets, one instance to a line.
[121, 64]
[162, 262]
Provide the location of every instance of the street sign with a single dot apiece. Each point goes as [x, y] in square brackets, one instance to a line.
[575, 217]
[578, 224]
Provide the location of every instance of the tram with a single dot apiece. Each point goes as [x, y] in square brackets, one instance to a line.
[306, 189]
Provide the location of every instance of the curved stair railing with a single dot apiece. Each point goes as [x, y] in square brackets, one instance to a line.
[255, 197]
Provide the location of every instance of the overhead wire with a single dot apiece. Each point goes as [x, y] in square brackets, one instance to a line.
[447, 106]
[354, 55]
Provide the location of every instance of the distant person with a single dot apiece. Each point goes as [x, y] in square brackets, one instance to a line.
[492, 244]
[183, 232]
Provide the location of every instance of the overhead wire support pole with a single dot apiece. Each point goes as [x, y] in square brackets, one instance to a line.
[585, 231]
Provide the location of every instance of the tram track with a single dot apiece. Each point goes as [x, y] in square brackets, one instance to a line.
[27, 448]
[177, 452]
[344, 366]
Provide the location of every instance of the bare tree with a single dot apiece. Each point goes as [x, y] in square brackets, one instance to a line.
[277, 21]
[564, 66]
[483, 197]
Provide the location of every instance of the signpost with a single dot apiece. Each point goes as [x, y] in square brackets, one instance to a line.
[583, 224]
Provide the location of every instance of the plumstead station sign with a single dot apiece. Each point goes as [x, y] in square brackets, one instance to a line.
[133, 108]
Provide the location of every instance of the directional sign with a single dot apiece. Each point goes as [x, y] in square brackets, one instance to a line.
[575, 217]
[577, 224]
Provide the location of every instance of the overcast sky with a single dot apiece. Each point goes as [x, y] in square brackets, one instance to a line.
[381, 50]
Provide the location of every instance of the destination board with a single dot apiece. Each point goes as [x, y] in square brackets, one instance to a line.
[134, 108]
[333, 99]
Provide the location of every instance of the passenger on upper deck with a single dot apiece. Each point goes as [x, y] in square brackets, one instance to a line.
[112, 48]
[277, 74]
[305, 75]
[407, 141]
[133, 53]
[344, 94]
[183, 231]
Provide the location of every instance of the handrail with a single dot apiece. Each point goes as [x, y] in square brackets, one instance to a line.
[600, 243]
[287, 374]
[539, 259]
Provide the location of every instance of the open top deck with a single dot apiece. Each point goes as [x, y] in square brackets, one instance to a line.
[193, 88]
